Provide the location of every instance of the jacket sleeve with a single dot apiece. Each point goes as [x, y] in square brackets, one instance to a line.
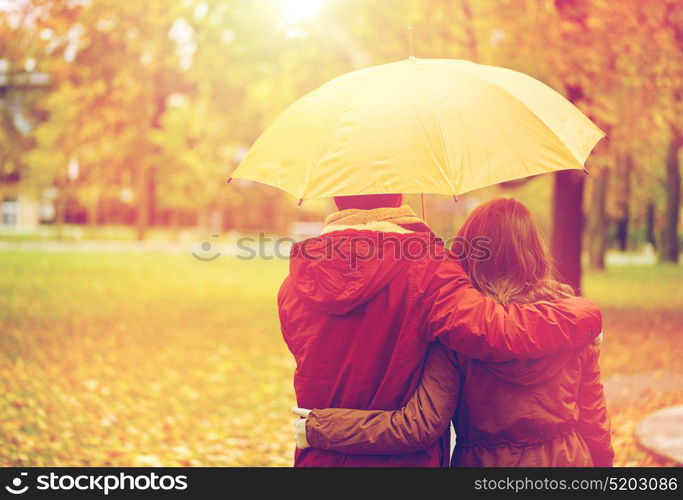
[467, 321]
[594, 424]
[416, 426]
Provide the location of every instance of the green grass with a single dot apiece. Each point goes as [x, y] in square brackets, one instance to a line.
[637, 287]
[144, 359]
[643, 317]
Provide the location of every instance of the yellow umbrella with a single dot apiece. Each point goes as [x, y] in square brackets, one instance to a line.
[438, 126]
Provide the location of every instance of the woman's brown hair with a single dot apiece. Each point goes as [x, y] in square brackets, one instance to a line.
[518, 268]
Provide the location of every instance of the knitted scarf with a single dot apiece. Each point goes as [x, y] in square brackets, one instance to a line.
[398, 220]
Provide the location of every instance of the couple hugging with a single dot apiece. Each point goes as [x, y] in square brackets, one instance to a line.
[391, 346]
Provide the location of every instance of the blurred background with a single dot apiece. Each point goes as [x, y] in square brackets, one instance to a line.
[121, 121]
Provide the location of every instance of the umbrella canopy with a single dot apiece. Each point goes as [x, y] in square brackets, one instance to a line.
[438, 126]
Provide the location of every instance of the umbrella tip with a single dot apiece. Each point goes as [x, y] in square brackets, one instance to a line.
[301, 200]
[229, 180]
[455, 198]
[585, 171]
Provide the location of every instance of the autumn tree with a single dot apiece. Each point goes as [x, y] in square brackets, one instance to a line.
[671, 84]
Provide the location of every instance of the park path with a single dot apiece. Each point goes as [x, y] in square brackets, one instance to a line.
[658, 432]
[228, 246]
[97, 246]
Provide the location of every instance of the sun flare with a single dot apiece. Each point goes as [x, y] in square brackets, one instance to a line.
[298, 11]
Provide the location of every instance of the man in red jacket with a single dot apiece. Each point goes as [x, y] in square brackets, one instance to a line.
[364, 300]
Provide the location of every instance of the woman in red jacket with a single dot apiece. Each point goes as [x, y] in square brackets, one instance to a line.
[544, 412]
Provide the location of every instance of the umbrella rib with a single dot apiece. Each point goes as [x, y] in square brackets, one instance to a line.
[312, 167]
[438, 125]
[512, 146]
[323, 144]
[504, 90]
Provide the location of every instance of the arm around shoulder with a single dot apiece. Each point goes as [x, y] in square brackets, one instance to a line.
[467, 321]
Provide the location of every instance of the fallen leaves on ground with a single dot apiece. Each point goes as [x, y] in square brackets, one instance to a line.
[151, 360]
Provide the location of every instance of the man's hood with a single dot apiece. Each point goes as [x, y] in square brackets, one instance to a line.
[343, 269]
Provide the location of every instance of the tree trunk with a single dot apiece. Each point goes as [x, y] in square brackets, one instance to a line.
[93, 212]
[650, 225]
[669, 248]
[60, 210]
[568, 190]
[622, 232]
[598, 222]
[567, 236]
[470, 36]
[142, 200]
[153, 109]
[568, 225]
[625, 204]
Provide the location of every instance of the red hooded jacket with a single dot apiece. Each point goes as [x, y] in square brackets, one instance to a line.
[360, 308]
